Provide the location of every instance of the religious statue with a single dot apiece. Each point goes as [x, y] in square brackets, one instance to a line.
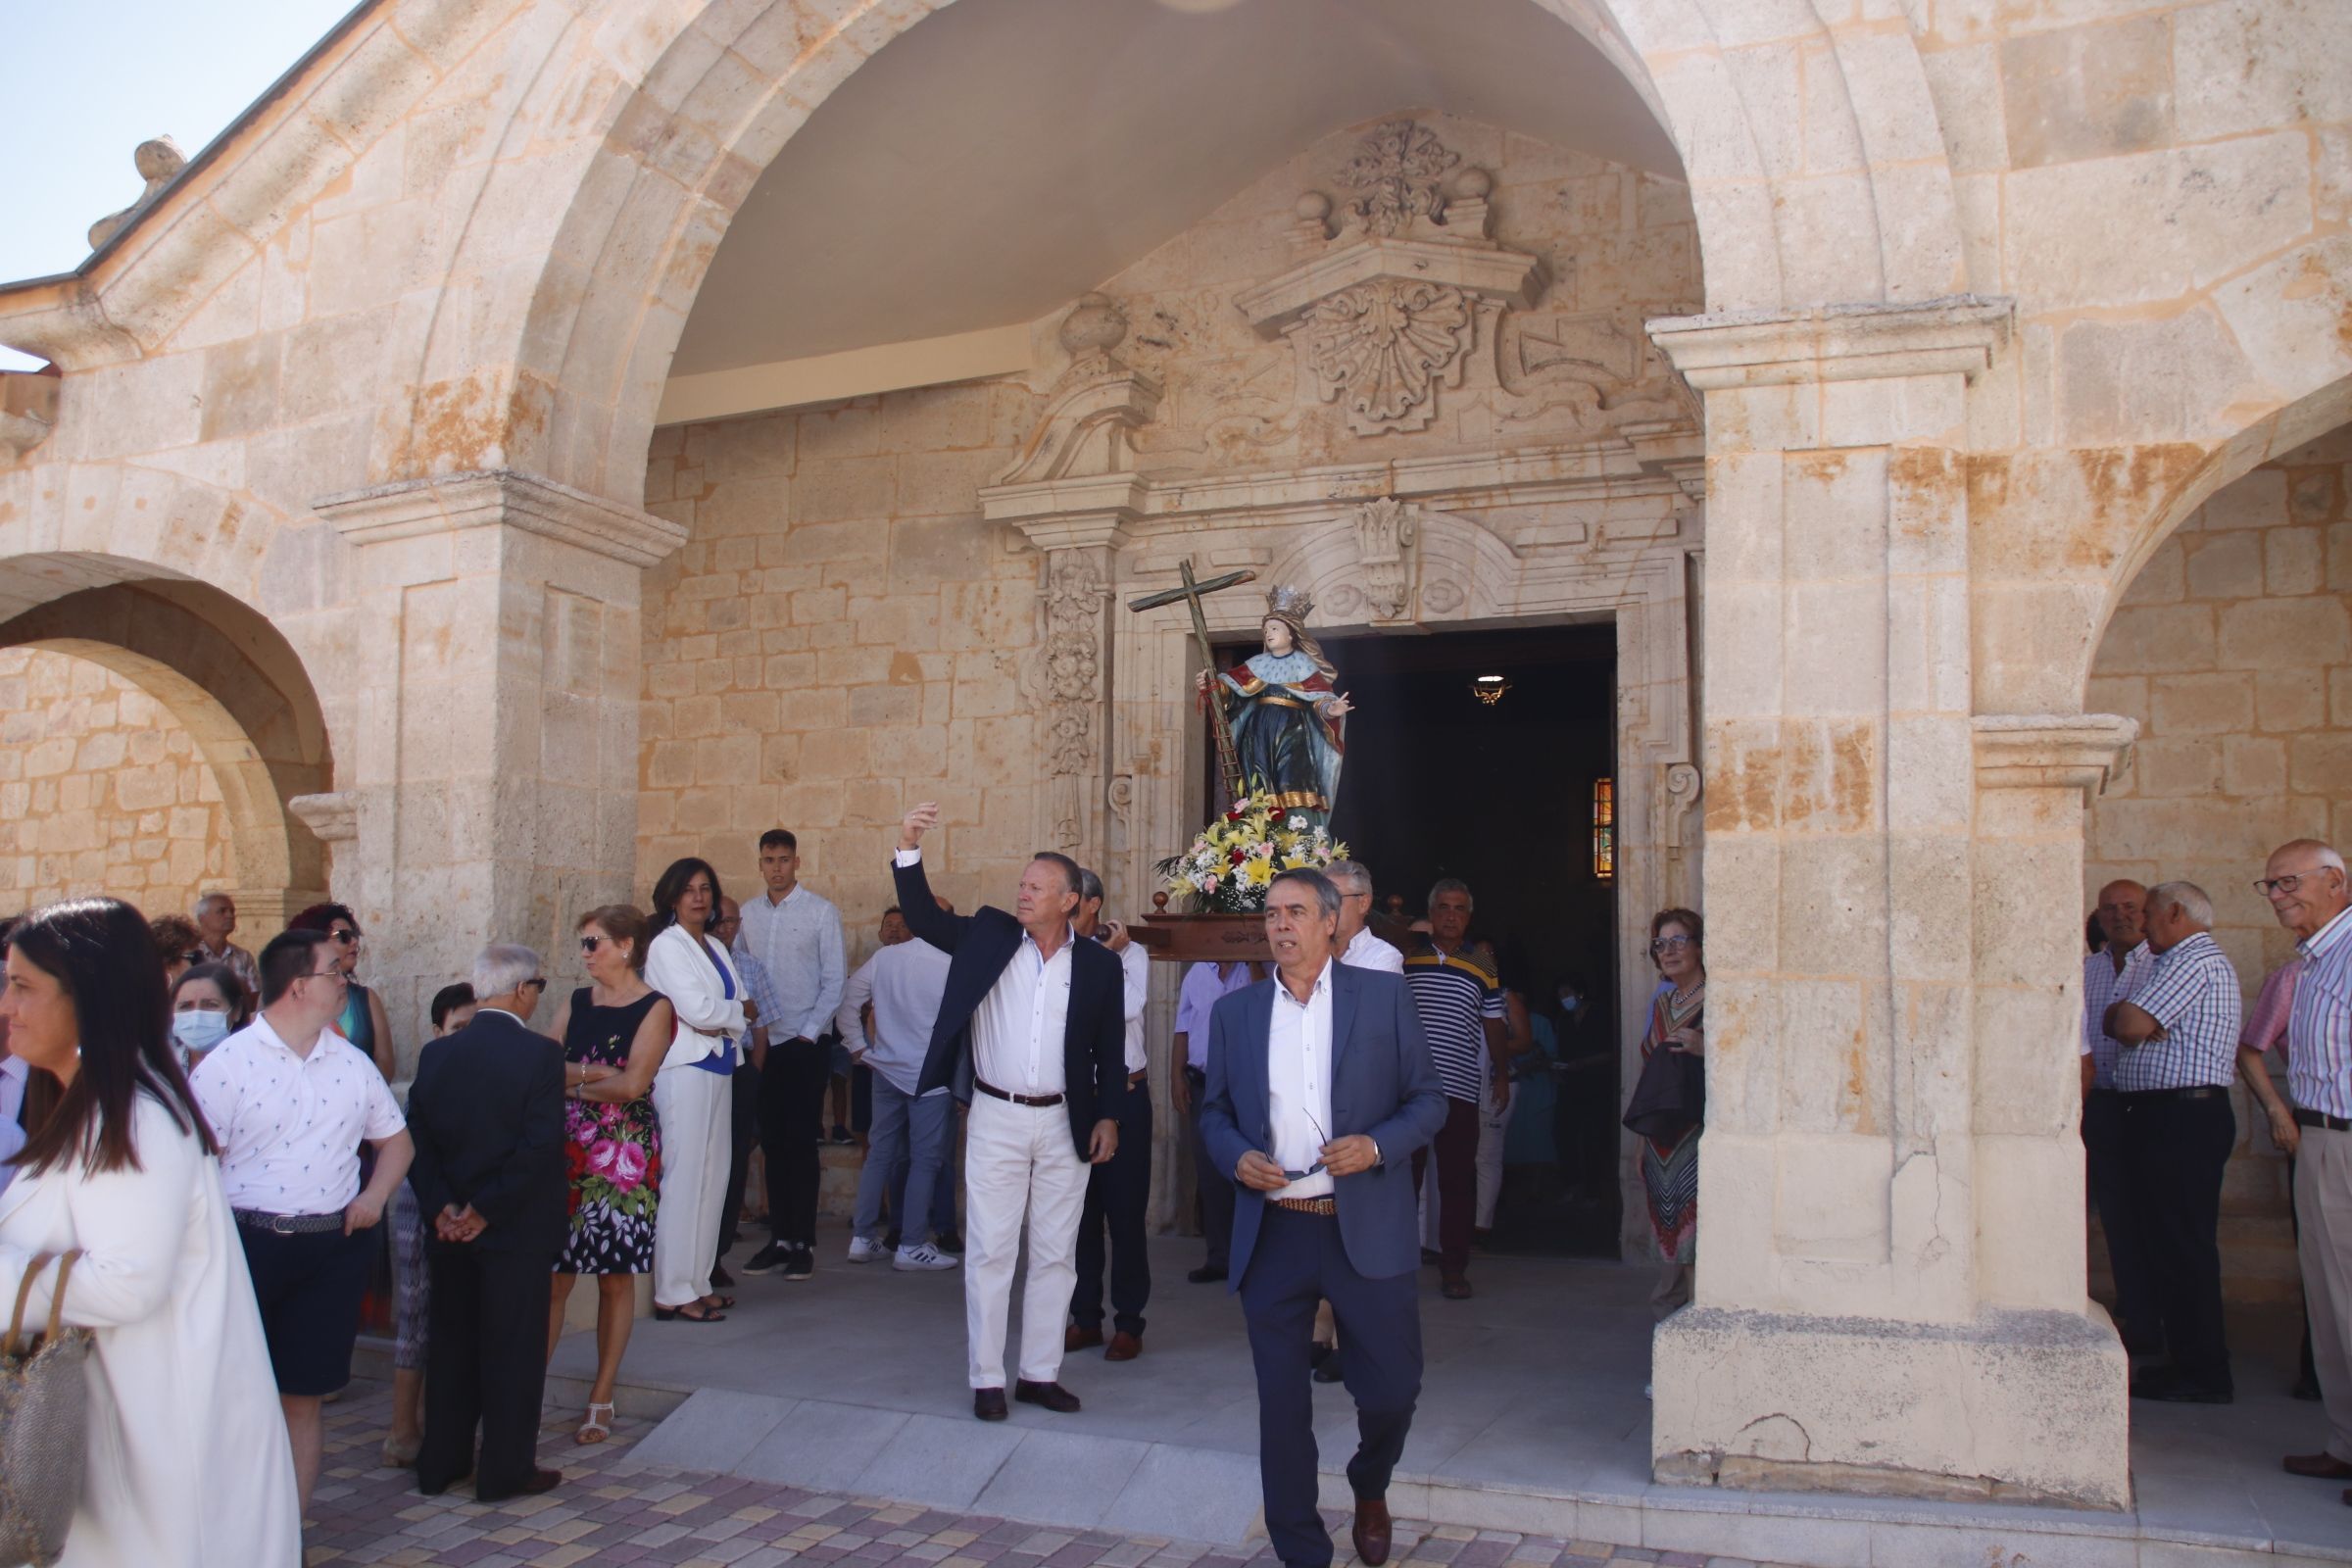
[1283, 710]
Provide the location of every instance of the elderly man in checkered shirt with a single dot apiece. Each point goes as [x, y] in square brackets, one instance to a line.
[2304, 884]
[2178, 1032]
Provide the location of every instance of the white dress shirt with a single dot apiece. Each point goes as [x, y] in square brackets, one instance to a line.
[2103, 985]
[906, 982]
[1368, 951]
[1137, 966]
[1298, 1083]
[290, 1126]
[798, 942]
[1018, 1027]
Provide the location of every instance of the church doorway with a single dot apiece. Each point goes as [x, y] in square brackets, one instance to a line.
[1450, 774]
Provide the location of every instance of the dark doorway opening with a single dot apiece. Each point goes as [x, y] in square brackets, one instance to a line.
[1438, 783]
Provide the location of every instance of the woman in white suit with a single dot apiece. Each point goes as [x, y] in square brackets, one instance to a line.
[188, 1462]
[692, 1093]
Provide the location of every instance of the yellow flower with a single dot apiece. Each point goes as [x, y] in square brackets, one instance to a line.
[1257, 873]
[1294, 860]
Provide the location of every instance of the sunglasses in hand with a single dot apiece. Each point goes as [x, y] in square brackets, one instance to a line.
[1321, 1138]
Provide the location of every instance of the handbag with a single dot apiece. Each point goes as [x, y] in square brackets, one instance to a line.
[1669, 1097]
[44, 1425]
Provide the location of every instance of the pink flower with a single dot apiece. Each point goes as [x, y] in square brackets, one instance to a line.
[603, 1156]
[628, 1167]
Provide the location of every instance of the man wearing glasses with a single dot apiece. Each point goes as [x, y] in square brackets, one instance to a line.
[291, 1100]
[2305, 885]
[1320, 1089]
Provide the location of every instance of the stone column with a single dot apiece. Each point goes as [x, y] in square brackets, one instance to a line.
[1861, 1322]
[493, 770]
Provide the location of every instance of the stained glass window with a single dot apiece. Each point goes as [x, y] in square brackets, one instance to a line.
[1604, 829]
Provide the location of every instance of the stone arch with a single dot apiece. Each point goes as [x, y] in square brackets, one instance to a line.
[231, 681]
[699, 100]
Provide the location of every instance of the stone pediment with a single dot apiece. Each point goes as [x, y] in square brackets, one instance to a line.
[1391, 306]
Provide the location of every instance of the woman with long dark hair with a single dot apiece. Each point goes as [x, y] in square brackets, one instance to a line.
[692, 1094]
[188, 1457]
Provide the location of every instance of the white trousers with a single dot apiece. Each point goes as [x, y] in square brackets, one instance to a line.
[1018, 1160]
[693, 1107]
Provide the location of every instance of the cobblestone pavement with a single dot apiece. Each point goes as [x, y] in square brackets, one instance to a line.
[608, 1513]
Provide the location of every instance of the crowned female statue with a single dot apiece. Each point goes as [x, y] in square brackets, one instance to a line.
[1284, 709]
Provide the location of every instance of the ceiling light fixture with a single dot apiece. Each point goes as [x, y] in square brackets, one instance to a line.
[1489, 689]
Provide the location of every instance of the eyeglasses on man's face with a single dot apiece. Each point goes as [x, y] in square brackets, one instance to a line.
[2273, 886]
[1666, 945]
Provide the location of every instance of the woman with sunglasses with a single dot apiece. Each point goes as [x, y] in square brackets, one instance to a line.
[615, 1031]
[1670, 1171]
[363, 1018]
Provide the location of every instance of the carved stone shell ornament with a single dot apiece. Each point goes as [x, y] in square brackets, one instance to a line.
[1383, 346]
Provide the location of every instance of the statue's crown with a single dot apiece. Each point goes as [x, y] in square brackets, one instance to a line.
[1297, 603]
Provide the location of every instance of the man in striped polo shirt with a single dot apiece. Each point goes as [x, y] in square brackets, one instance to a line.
[1456, 992]
[2306, 886]
[2179, 1033]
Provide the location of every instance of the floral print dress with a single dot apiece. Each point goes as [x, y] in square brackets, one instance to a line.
[613, 1151]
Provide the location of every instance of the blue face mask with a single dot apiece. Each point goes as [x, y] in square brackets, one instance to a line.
[199, 1032]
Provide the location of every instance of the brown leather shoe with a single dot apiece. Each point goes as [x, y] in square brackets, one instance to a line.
[1052, 1395]
[989, 1404]
[1077, 1337]
[2321, 1466]
[1371, 1532]
[1124, 1346]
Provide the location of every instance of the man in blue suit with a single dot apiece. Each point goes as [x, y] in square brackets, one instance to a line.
[1320, 1089]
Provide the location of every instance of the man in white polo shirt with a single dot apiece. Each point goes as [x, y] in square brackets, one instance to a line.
[290, 1102]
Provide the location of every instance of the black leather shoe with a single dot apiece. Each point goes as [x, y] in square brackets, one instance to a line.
[1206, 1275]
[1052, 1395]
[1328, 1370]
[989, 1404]
[2166, 1385]
[541, 1481]
[720, 1278]
[768, 1259]
[1370, 1533]
[949, 1242]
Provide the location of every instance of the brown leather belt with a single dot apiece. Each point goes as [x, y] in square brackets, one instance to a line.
[986, 1088]
[1326, 1207]
[2320, 1118]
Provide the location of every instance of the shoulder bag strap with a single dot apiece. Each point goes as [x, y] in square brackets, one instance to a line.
[15, 1321]
[57, 1298]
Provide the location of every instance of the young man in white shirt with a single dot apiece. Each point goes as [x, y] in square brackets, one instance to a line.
[796, 936]
[904, 981]
[290, 1102]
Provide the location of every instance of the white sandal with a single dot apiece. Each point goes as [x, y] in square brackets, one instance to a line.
[593, 1429]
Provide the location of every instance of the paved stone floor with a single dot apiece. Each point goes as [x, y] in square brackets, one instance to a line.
[612, 1511]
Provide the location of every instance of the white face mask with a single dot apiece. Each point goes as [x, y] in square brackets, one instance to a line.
[199, 1032]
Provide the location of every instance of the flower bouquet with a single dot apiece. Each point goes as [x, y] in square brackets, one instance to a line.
[1237, 857]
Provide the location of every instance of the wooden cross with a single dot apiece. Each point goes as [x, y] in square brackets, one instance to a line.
[1229, 764]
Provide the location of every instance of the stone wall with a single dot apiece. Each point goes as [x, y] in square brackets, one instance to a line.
[101, 790]
[843, 634]
[2233, 650]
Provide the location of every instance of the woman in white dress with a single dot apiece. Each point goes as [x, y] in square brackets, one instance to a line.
[692, 1090]
[188, 1463]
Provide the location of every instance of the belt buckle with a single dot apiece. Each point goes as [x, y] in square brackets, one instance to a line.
[282, 1224]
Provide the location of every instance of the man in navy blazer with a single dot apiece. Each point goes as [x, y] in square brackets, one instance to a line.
[1320, 1089]
[1034, 1020]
